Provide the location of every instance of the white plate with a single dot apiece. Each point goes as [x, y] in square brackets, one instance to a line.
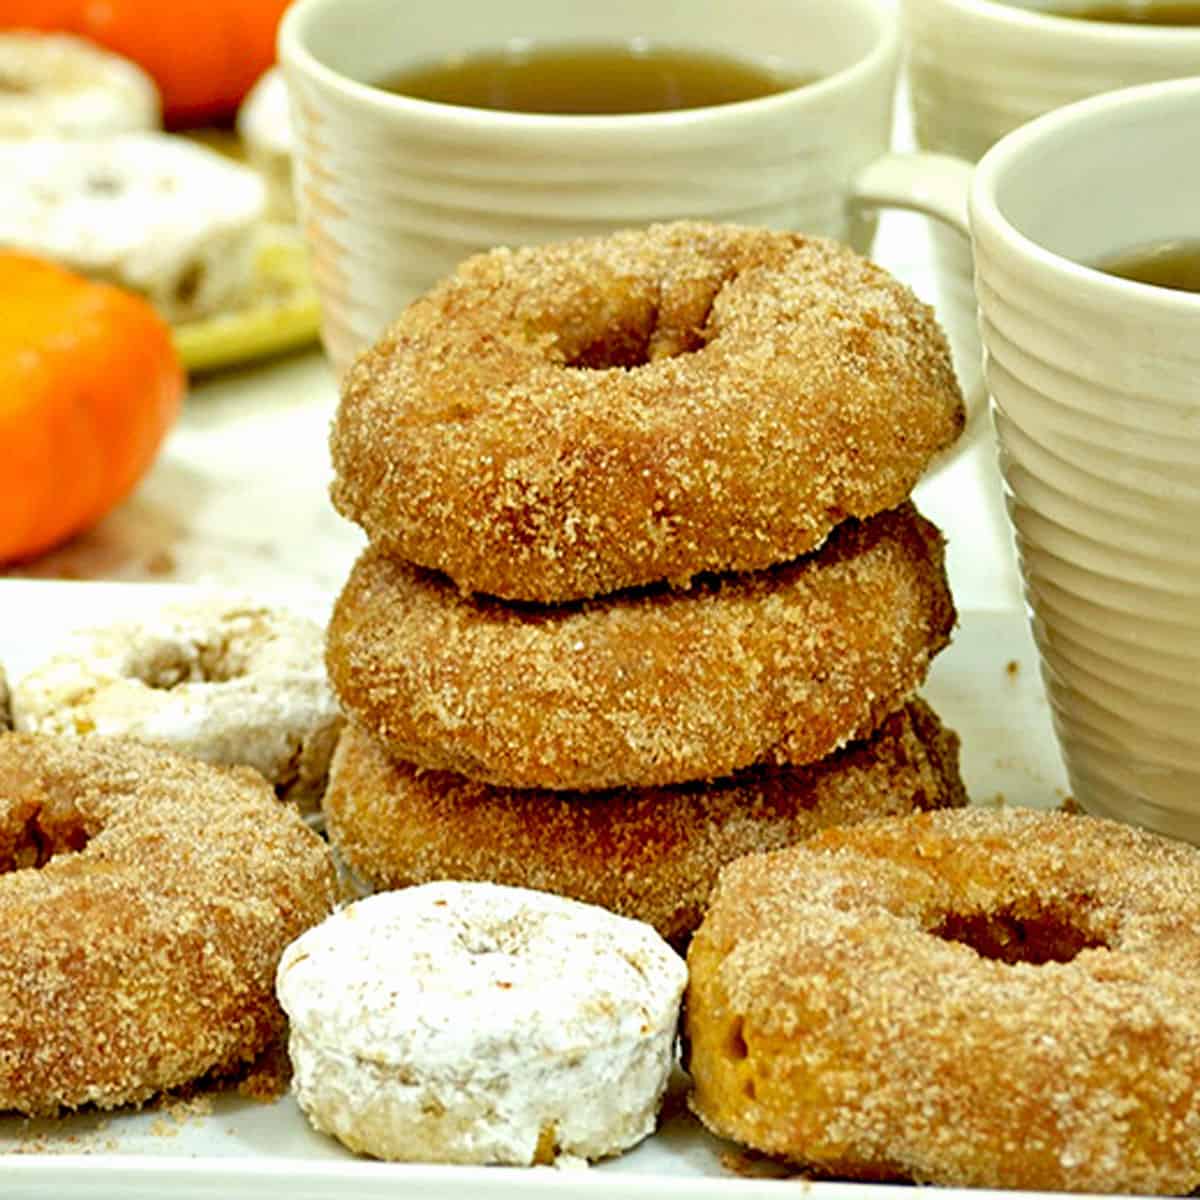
[985, 686]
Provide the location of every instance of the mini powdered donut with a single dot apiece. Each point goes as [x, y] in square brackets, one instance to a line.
[469, 1023]
[564, 421]
[145, 899]
[158, 214]
[227, 681]
[643, 689]
[650, 854]
[997, 999]
[54, 84]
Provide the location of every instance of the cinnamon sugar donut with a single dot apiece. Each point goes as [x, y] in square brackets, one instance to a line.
[998, 999]
[652, 854]
[224, 680]
[563, 421]
[468, 1023]
[648, 688]
[145, 899]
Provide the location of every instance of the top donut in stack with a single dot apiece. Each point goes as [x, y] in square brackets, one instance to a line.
[638, 513]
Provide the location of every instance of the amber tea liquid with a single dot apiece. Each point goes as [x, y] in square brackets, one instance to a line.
[1173, 264]
[591, 80]
[1168, 12]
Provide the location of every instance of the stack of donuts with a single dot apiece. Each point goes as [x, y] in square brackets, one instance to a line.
[644, 589]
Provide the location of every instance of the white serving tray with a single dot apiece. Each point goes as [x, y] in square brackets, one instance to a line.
[985, 686]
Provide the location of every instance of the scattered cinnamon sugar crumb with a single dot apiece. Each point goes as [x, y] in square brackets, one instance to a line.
[1012, 668]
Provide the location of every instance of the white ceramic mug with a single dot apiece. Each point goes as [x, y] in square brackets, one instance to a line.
[393, 192]
[1095, 387]
[977, 69]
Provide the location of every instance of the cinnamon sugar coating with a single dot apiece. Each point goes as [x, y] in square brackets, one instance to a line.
[976, 998]
[568, 420]
[652, 854]
[644, 688]
[145, 900]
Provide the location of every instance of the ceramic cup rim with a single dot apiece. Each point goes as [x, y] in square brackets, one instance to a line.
[294, 50]
[987, 216]
[1181, 40]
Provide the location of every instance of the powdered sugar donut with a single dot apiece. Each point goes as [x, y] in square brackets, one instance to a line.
[61, 85]
[158, 214]
[471, 1023]
[222, 680]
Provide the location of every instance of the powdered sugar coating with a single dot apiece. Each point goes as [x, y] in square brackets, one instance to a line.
[974, 998]
[470, 1023]
[57, 84]
[225, 681]
[160, 215]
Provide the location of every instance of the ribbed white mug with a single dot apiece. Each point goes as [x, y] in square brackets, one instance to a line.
[1095, 388]
[978, 69]
[393, 192]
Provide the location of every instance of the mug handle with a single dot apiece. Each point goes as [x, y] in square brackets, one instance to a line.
[933, 184]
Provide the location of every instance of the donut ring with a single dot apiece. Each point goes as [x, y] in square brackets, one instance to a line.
[998, 999]
[563, 421]
[221, 680]
[468, 1023]
[644, 689]
[650, 854]
[145, 900]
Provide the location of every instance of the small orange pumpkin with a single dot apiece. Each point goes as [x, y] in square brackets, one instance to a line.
[90, 382]
[204, 54]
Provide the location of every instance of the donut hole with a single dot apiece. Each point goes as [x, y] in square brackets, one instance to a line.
[166, 665]
[636, 342]
[1033, 935]
[40, 833]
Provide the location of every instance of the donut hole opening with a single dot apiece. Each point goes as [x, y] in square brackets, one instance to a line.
[636, 344]
[162, 666]
[40, 834]
[1013, 935]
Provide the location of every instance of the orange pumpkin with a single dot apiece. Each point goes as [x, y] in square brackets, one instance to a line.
[204, 54]
[90, 382]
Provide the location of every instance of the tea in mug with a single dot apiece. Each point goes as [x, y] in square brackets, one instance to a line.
[592, 80]
[1171, 264]
[1150, 12]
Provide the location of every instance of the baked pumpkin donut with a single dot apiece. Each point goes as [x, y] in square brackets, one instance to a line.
[567, 420]
[652, 854]
[978, 998]
[644, 688]
[145, 900]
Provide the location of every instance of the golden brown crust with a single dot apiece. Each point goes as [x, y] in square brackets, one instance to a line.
[145, 899]
[646, 688]
[651, 854]
[564, 421]
[1003, 999]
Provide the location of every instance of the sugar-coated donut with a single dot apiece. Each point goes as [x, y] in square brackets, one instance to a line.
[644, 688]
[978, 998]
[145, 899]
[652, 854]
[469, 1023]
[227, 681]
[563, 421]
